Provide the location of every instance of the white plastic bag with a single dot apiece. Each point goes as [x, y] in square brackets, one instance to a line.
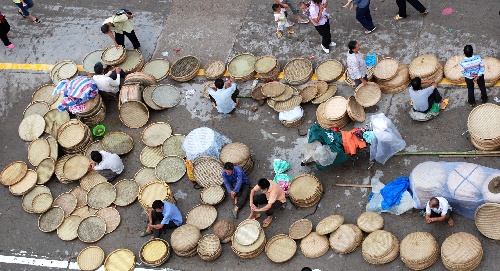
[318, 153]
[387, 141]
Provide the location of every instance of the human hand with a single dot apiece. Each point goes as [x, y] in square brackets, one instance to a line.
[231, 79]
[253, 207]
[475, 78]
[233, 194]
[117, 46]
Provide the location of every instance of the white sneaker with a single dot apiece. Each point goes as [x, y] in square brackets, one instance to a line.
[324, 49]
[332, 44]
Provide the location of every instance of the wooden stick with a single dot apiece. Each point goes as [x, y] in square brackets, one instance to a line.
[468, 155]
[354, 185]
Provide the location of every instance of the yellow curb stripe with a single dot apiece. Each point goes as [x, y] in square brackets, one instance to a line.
[201, 72]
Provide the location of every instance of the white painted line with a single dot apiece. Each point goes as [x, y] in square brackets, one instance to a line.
[58, 264]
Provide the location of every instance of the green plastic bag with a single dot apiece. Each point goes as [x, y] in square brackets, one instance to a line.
[280, 166]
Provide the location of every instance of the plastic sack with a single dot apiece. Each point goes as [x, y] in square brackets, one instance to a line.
[393, 192]
[464, 185]
[375, 200]
[280, 166]
[292, 114]
[387, 140]
[321, 154]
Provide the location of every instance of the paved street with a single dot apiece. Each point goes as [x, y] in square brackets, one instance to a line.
[221, 29]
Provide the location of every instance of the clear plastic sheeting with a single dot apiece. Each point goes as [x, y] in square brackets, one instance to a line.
[465, 185]
[321, 154]
[375, 200]
[292, 114]
[387, 140]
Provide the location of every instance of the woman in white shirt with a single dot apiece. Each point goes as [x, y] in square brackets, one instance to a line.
[356, 64]
[320, 19]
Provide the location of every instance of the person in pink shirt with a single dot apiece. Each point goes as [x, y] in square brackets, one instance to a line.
[320, 19]
[273, 198]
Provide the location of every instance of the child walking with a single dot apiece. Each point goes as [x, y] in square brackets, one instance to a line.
[280, 19]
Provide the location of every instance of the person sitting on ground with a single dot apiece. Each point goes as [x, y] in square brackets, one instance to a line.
[273, 198]
[438, 210]
[289, 4]
[109, 82]
[356, 64]
[108, 165]
[472, 67]
[280, 19]
[164, 215]
[424, 99]
[237, 185]
[224, 99]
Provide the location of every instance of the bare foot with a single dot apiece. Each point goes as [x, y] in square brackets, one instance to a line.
[267, 221]
[451, 223]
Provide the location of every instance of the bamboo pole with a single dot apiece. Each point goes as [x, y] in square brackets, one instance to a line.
[449, 153]
[467, 155]
[354, 185]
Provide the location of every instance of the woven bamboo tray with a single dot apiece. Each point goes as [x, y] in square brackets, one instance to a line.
[117, 142]
[156, 133]
[419, 250]
[67, 202]
[283, 106]
[452, 70]
[207, 171]
[370, 222]
[38, 108]
[298, 71]
[209, 247]
[13, 173]
[41, 203]
[185, 239]
[486, 219]
[236, 153]
[224, 229]
[267, 67]
[133, 61]
[158, 68]
[308, 93]
[305, 190]
[461, 251]
[166, 96]
[60, 166]
[94, 146]
[355, 111]
[346, 238]
[205, 89]
[76, 167]
[55, 69]
[300, 229]
[326, 123]
[144, 176]
[247, 232]
[386, 69]
[348, 79]
[82, 212]
[155, 190]
[126, 192]
[173, 146]
[241, 67]
[25, 184]
[185, 68]
[50, 220]
[91, 179]
[56, 118]
[90, 258]
[202, 216]
[120, 260]
[54, 147]
[111, 217]
[69, 228]
[154, 252]
[314, 245]
[142, 78]
[170, 169]
[335, 108]
[332, 89]
[91, 229]
[38, 150]
[329, 224]
[214, 69]
[151, 156]
[44, 94]
[212, 195]
[367, 95]
[72, 134]
[101, 195]
[287, 94]
[67, 71]
[483, 122]
[423, 66]
[250, 251]
[113, 55]
[257, 94]
[329, 70]
[90, 60]
[31, 127]
[81, 196]
[491, 71]
[273, 89]
[280, 248]
[27, 199]
[380, 247]
[134, 114]
[147, 95]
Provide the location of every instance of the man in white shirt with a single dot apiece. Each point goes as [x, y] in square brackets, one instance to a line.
[109, 165]
[438, 210]
[356, 64]
[224, 99]
[109, 82]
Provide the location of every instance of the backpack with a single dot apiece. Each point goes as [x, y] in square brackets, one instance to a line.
[123, 11]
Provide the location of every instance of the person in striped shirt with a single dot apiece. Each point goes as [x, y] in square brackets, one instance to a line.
[473, 70]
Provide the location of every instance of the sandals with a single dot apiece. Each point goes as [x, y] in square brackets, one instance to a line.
[303, 21]
[290, 31]
[266, 223]
[424, 13]
[397, 17]
[445, 102]
[235, 214]
[145, 233]
[279, 33]
[21, 13]
[370, 31]
[36, 21]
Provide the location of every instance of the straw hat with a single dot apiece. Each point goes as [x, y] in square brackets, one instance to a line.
[314, 245]
[486, 219]
[461, 251]
[346, 238]
[280, 248]
[224, 229]
[380, 247]
[329, 224]
[370, 222]
[419, 250]
[300, 228]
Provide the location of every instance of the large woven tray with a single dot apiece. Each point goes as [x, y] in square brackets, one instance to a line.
[207, 171]
[247, 232]
[202, 216]
[265, 64]
[335, 108]
[332, 89]
[111, 217]
[69, 228]
[367, 95]
[54, 147]
[308, 93]
[314, 245]
[386, 69]
[185, 68]
[90, 258]
[298, 71]
[76, 167]
[120, 260]
[155, 190]
[486, 219]
[212, 195]
[461, 251]
[286, 105]
[214, 69]
[71, 134]
[27, 199]
[380, 247]
[173, 146]
[166, 96]
[101, 195]
[170, 169]
[209, 247]
[142, 78]
[242, 67]
[346, 238]
[51, 219]
[113, 55]
[224, 229]
[329, 224]
[38, 108]
[13, 173]
[355, 111]
[25, 184]
[55, 69]
[31, 127]
[158, 68]
[280, 248]
[370, 222]
[236, 153]
[81, 196]
[90, 60]
[300, 229]
[147, 95]
[67, 202]
[44, 94]
[156, 133]
[185, 238]
[67, 71]
[38, 150]
[91, 229]
[453, 71]
[273, 89]
[117, 142]
[134, 114]
[423, 66]
[484, 122]
[91, 179]
[126, 192]
[41, 203]
[155, 252]
[133, 61]
[56, 118]
[144, 176]
[419, 250]
[329, 70]
[151, 156]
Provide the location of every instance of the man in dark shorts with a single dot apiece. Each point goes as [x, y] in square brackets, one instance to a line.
[224, 99]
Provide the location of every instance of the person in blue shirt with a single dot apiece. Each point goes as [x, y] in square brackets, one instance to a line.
[164, 215]
[237, 185]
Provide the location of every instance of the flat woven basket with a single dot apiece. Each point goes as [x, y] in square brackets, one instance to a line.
[308, 93]
[76, 167]
[156, 133]
[111, 217]
[257, 94]
[38, 108]
[54, 147]
[202, 216]
[280, 248]
[348, 79]
[170, 169]
[247, 232]
[90, 60]
[91, 179]
[367, 95]
[282, 106]
[207, 171]
[314, 245]
[251, 251]
[491, 71]
[27, 199]
[486, 219]
[51, 219]
[154, 252]
[82, 212]
[185, 68]
[335, 108]
[44, 94]
[158, 68]
[94, 146]
[370, 222]
[386, 69]
[214, 69]
[166, 96]
[91, 229]
[273, 89]
[81, 196]
[452, 70]
[69, 228]
[113, 56]
[300, 229]
[31, 127]
[59, 171]
[329, 70]
[184, 239]
[67, 71]
[461, 251]
[322, 87]
[90, 258]
[38, 150]
[133, 61]
[144, 176]
[242, 67]
[55, 70]
[355, 111]
[380, 247]
[151, 156]
[329, 224]
[142, 78]
[54, 115]
[419, 250]
[423, 66]
[346, 238]
[120, 260]
[101, 195]
[305, 190]
[147, 95]
[25, 185]
[71, 134]
[236, 153]
[483, 122]
[209, 247]
[173, 146]
[134, 114]
[224, 229]
[298, 71]
[265, 64]
[212, 195]
[155, 190]
[287, 94]
[126, 192]
[67, 202]
[117, 142]
[41, 203]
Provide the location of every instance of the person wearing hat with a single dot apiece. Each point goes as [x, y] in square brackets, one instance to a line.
[237, 185]
[472, 68]
[121, 25]
[438, 210]
[109, 82]
[224, 99]
[164, 215]
[356, 64]
[108, 165]
[273, 198]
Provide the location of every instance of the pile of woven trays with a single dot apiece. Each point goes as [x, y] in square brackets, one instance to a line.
[242, 67]
[392, 76]
[209, 247]
[491, 71]
[453, 71]
[305, 190]
[280, 248]
[224, 229]
[184, 240]
[486, 218]
[329, 70]
[298, 71]
[427, 67]
[155, 252]
[380, 247]
[185, 68]
[484, 127]
[249, 240]
[461, 251]
[239, 154]
[267, 67]
[312, 244]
